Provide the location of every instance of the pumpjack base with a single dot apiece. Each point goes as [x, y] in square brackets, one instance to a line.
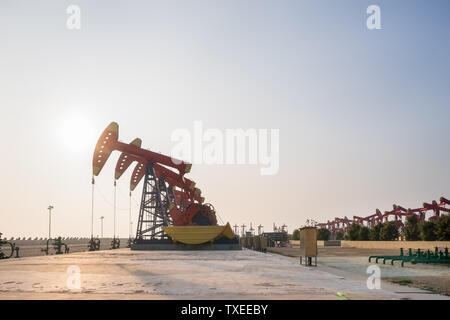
[169, 245]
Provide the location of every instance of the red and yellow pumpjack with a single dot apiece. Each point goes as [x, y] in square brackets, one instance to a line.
[172, 209]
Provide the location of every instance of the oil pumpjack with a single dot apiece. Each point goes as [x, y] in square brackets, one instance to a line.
[172, 210]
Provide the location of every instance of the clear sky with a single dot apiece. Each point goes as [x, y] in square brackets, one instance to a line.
[363, 114]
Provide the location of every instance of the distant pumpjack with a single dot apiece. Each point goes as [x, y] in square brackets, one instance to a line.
[398, 214]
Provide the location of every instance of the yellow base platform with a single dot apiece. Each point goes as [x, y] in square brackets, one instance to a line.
[199, 234]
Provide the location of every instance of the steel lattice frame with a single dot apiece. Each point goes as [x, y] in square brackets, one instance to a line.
[153, 212]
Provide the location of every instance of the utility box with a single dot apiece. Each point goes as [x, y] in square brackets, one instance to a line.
[308, 245]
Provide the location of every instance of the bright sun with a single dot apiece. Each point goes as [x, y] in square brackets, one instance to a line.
[76, 133]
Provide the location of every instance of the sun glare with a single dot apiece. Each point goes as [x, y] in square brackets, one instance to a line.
[76, 133]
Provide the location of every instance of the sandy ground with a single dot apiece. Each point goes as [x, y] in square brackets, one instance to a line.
[343, 260]
[125, 274]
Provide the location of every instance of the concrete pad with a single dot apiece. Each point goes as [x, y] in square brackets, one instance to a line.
[126, 274]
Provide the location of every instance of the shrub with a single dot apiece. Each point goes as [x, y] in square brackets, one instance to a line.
[323, 234]
[363, 233]
[389, 231]
[353, 232]
[428, 230]
[339, 235]
[412, 230]
[374, 233]
[443, 228]
[296, 234]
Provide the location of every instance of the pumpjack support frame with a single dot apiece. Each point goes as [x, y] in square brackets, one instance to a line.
[154, 208]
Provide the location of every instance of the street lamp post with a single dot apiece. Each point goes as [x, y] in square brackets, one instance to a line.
[50, 208]
[101, 219]
[131, 228]
[129, 220]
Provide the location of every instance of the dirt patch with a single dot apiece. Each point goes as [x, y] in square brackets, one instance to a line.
[439, 285]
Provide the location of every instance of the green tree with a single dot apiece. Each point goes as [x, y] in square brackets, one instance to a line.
[353, 232]
[389, 231]
[428, 230]
[296, 234]
[443, 228]
[339, 235]
[363, 233]
[412, 230]
[374, 233]
[323, 234]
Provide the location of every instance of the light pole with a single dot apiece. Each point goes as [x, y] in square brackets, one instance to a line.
[130, 224]
[101, 219]
[131, 228]
[115, 190]
[50, 208]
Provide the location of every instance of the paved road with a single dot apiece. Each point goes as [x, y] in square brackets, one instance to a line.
[125, 274]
